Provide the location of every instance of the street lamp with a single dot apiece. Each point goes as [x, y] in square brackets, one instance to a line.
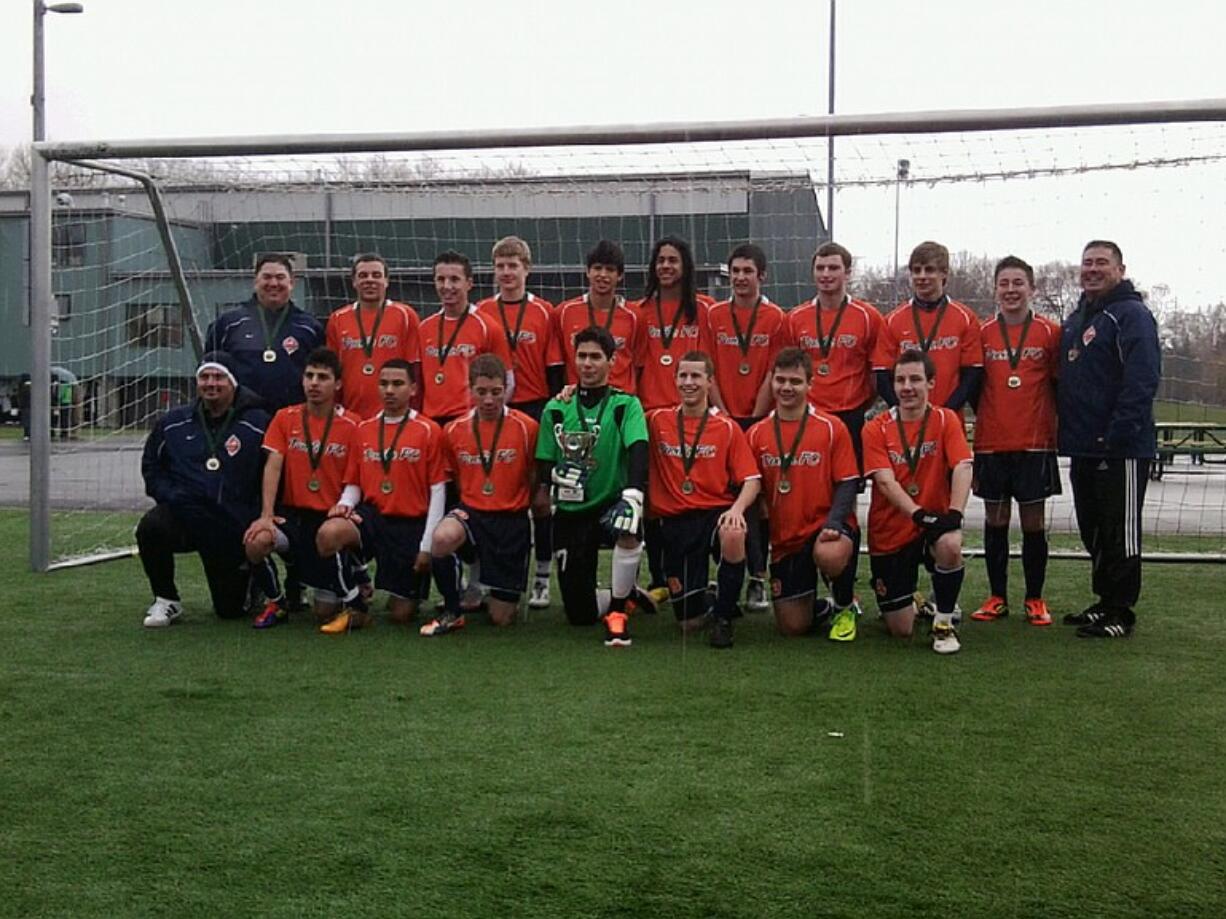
[37, 100]
[904, 173]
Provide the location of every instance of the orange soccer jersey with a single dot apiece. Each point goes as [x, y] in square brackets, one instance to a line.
[841, 349]
[952, 344]
[448, 346]
[365, 343]
[573, 316]
[768, 334]
[511, 460]
[943, 447]
[822, 459]
[1017, 407]
[413, 455]
[529, 332]
[721, 462]
[285, 435]
[657, 361]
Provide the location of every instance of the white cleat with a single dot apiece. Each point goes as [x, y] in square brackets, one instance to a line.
[539, 597]
[163, 613]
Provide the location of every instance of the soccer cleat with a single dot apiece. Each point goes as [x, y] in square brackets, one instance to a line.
[616, 631]
[843, 625]
[640, 602]
[994, 608]
[447, 622]
[924, 608]
[945, 639]
[539, 597]
[1088, 616]
[272, 615]
[755, 596]
[659, 595]
[1113, 624]
[348, 620]
[1037, 612]
[162, 613]
[721, 633]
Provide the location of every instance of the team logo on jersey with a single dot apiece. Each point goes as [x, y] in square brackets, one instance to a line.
[1088, 336]
[233, 444]
[290, 344]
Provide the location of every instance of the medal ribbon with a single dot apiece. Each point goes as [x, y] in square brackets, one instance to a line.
[314, 457]
[512, 337]
[384, 459]
[368, 344]
[270, 335]
[687, 459]
[926, 343]
[785, 459]
[591, 315]
[209, 439]
[488, 466]
[1014, 356]
[743, 341]
[825, 344]
[445, 350]
[911, 454]
[667, 337]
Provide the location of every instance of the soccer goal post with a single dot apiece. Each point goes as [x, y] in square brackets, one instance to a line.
[136, 246]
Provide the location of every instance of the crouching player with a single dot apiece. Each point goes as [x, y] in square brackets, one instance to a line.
[809, 482]
[698, 457]
[393, 498]
[490, 454]
[307, 449]
[917, 456]
[592, 449]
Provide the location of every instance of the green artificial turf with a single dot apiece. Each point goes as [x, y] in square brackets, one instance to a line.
[211, 770]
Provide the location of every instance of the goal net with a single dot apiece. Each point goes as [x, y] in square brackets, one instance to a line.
[123, 343]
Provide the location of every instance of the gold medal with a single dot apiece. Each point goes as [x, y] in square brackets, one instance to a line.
[666, 359]
[313, 485]
[368, 369]
[1014, 381]
[440, 377]
[784, 486]
[270, 356]
[386, 486]
[913, 489]
[743, 370]
[212, 464]
[687, 487]
[823, 369]
[488, 488]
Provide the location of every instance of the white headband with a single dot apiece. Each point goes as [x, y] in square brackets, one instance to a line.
[215, 365]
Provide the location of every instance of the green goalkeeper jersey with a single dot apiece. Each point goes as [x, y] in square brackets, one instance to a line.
[610, 426]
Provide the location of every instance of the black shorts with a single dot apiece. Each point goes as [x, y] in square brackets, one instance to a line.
[580, 532]
[501, 541]
[747, 423]
[854, 420]
[533, 408]
[393, 542]
[690, 542]
[896, 574]
[1024, 476]
[300, 527]
[795, 576]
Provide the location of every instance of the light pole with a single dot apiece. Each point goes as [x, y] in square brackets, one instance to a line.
[904, 173]
[830, 137]
[40, 307]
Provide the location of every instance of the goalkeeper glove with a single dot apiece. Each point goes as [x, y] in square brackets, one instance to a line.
[568, 475]
[938, 523]
[624, 517]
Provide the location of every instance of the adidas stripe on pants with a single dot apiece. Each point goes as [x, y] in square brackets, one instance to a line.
[1108, 495]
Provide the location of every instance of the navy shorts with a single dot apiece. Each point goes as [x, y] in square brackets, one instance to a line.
[896, 574]
[690, 542]
[1024, 476]
[795, 576]
[393, 542]
[501, 541]
[299, 528]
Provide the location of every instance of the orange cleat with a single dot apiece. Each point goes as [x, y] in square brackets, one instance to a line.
[991, 609]
[1037, 612]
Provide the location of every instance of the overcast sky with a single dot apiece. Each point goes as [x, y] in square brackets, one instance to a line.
[143, 68]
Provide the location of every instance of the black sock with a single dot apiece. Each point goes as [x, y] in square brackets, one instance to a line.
[946, 585]
[996, 556]
[1034, 562]
[265, 576]
[843, 588]
[447, 577]
[729, 577]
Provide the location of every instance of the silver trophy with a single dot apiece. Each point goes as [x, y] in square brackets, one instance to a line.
[570, 474]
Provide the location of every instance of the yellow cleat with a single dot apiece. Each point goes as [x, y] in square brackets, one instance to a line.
[348, 620]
